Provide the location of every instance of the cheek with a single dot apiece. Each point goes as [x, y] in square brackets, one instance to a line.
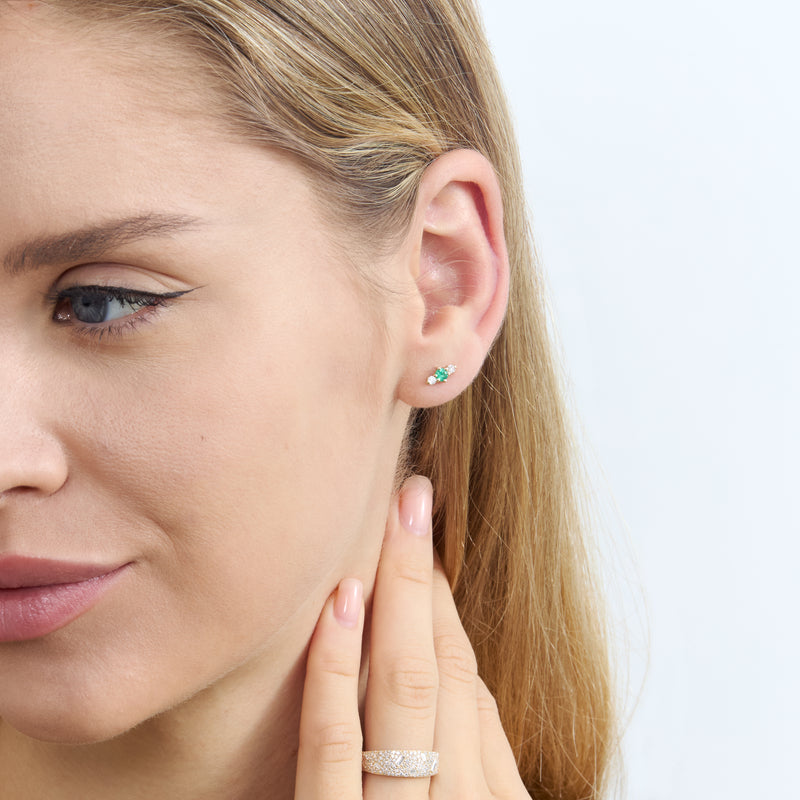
[239, 473]
[239, 482]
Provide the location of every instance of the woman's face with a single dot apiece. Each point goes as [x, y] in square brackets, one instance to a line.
[221, 422]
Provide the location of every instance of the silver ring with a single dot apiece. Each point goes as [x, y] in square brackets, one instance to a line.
[400, 763]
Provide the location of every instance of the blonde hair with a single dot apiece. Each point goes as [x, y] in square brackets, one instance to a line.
[365, 94]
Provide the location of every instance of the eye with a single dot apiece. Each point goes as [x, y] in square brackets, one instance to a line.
[99, 306]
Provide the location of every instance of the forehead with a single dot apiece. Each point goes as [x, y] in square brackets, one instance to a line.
[39, 40]
[96, 121]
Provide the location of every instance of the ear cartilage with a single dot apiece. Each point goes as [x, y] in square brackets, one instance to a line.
[441, 374]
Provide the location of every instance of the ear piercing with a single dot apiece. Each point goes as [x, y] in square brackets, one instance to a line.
[441, 374]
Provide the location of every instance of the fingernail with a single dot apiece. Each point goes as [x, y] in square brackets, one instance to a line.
[347, 604]
[416, 498]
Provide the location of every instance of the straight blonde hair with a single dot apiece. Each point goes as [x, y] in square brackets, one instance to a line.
[365, 94]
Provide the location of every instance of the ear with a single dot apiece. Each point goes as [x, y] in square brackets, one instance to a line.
[460, 270]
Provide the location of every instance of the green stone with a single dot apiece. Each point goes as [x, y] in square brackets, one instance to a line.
[441, 374]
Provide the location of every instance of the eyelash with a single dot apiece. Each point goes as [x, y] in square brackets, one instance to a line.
[145, 302]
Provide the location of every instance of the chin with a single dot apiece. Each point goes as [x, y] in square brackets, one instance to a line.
[61, 689]
[52, 708]
[59, 724]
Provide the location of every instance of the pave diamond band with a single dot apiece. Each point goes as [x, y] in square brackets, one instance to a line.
[400, 763]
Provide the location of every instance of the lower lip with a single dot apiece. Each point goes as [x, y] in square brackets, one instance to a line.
[33, 611]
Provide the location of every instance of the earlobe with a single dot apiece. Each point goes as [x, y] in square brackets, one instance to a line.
[461, 276]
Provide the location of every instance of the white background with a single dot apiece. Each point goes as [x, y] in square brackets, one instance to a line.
[660, 143]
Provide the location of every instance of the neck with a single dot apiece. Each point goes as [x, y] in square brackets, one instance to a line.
[218, 745]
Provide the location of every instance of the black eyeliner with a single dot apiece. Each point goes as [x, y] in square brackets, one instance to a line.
[136, 300]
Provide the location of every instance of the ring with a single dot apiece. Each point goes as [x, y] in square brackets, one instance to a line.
[400, 763]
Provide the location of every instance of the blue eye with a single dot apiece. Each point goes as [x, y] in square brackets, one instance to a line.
[96, 306]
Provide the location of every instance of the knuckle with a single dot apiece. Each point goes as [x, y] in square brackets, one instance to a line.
[456, 658]
[486, 703]
[337, 743]
[413, 683]
[333, 662]
[412, 569]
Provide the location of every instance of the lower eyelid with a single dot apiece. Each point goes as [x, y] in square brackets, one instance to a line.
[115, 328]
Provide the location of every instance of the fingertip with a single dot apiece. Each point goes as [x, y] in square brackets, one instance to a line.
[348, 602]
[415, 505]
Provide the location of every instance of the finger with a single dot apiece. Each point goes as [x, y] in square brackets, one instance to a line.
[499, 765]
[401, 693]
[329, 754]
[458, 736]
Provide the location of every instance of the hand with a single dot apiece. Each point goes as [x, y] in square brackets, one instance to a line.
[423, 693]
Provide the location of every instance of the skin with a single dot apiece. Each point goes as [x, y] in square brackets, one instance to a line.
[234, 446]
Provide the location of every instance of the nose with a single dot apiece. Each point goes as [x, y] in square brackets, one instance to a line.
[32, 460]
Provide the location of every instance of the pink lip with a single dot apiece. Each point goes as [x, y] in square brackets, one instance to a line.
[39, 596]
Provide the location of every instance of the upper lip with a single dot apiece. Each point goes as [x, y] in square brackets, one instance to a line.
[17, 572]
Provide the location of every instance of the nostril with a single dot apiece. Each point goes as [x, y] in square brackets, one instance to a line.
[13, 493]
[22, 491]
[30, 465]
[18, 490]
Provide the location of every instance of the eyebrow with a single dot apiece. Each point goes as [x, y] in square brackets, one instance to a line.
[93, 242]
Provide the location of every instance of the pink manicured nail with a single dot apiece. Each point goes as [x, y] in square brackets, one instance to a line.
[347, 605]
[416, 499]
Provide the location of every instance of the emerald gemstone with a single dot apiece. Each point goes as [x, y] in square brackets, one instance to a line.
[441, 374]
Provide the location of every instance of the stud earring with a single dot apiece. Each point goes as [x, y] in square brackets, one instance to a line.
[441, 374]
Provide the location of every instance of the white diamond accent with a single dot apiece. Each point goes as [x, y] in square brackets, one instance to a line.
[432, 380]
